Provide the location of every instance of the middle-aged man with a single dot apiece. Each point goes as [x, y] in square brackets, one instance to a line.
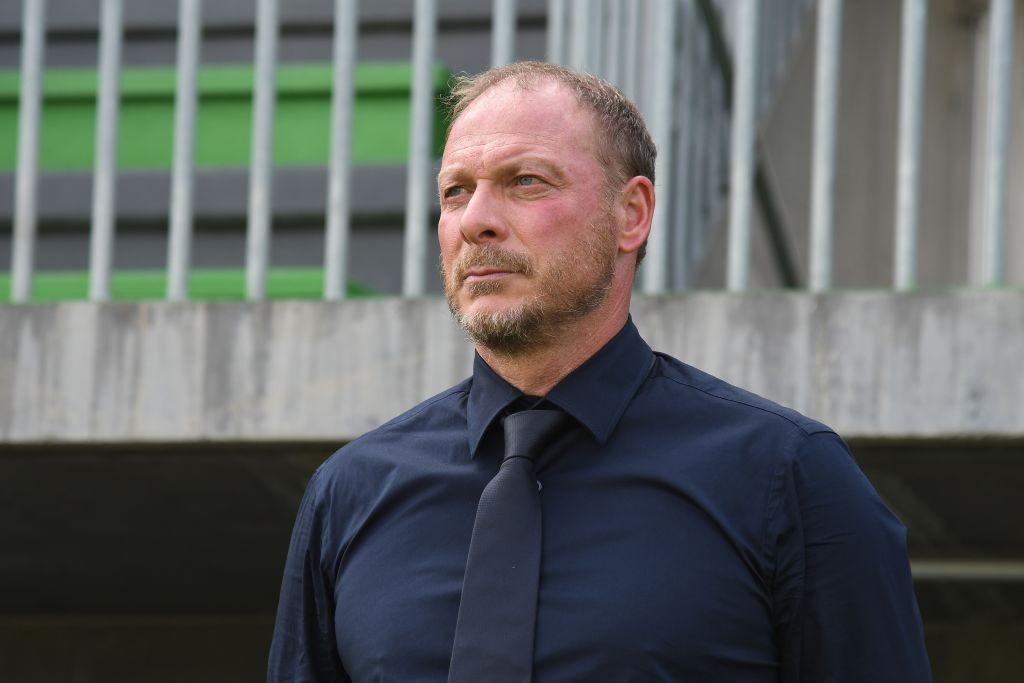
[582, 508]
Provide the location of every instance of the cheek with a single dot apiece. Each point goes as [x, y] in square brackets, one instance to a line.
[449, 238]
[555, 226]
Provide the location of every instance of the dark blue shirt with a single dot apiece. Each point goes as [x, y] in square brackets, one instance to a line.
[692, 531]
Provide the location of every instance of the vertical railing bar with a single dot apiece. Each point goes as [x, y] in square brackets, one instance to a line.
[723, 148]
[717, 137]
[777, 55]
[579, 26]
[823, 164]
[771, 31]
[33, 39]
[631, 44]
[556, 32]
[613, 33]
[503, 32]
[179, 246]
[261, 165]
[625, 26]
[595, 20]
[742, 147]
[912, 60]
[648, 59]
[783, 41]
[346, 34]
[997, 143]
[793, 15]
[661, 118]
[764, 80]
[101, 245]
[684, 158]
[716, 123]
[701, 131]
[417, 207]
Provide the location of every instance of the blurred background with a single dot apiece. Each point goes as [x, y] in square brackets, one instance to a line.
[216, 236]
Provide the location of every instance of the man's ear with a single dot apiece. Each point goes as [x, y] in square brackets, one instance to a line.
[637, 205]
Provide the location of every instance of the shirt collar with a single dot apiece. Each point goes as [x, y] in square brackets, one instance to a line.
[596, 393]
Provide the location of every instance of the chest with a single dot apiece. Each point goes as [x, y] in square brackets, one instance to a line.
[639, 581]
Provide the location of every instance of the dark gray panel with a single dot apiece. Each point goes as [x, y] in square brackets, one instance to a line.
[116, 649]
[461, 47]
[119, 559]
[376, 251]
[82, 15]
[183, 530]
[378, 193]
[161, 529]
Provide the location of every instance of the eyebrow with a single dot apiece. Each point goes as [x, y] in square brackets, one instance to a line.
[521, 159]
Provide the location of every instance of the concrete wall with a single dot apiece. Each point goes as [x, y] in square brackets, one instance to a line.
[870, 364]
[152, 455]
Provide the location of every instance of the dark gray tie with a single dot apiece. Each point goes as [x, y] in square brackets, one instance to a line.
[498, 611]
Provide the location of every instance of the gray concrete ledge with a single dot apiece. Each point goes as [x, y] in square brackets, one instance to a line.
[872, 365]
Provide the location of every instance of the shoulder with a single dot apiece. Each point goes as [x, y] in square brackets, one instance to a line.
[346, 485]
[728, 402]
[435, 418]
[804, 455]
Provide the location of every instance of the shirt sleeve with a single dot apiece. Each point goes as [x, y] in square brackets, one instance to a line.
[303, 648]
[843, 594]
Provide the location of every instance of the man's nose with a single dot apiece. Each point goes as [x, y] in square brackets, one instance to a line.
[483, 219]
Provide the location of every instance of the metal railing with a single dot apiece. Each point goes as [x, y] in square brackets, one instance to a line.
[704, 73]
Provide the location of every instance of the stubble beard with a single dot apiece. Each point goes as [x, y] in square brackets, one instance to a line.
[570, 287]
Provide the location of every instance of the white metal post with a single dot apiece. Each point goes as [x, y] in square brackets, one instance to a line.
[417, 203]
[556, 32]
[744, 126]
[503, 32]
[912, 60]
[719, 141]
[968, 570]
[648, 59]
[595, 43]
[997, 144]
[33, 38]
[702, 129]
[179, 248]
[684, 195]
[655, 267]
[101, 244]
[630, 49]
[826, 96]
[261, 164]
[613, 39]
[579, 24]
[339, 180]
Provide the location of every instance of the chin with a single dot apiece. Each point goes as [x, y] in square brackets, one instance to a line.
[492, 294]
[487, 306]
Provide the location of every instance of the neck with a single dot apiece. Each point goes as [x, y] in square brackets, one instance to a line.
[537, 370]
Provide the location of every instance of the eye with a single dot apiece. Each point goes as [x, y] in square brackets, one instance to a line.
[527, 180]
[453, 191]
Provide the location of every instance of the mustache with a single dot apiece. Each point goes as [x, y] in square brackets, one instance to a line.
[489, 256]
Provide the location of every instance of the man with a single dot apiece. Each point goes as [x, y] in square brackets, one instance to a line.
[686, 530]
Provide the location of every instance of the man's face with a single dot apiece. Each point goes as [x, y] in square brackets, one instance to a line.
[526, 232]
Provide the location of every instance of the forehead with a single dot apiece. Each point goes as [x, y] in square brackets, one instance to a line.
[543, 118]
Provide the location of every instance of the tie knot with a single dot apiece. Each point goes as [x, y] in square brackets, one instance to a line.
[527, 431]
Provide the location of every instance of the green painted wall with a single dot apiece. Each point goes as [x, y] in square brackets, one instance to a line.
[204, 284]
[146, 126]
